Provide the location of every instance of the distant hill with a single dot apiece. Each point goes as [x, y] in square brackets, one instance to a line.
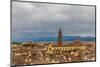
[65, 38]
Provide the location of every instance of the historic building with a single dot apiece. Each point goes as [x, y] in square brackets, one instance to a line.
[60, 38]
[76, 45]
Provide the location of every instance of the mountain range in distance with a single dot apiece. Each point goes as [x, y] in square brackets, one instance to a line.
[54, 39]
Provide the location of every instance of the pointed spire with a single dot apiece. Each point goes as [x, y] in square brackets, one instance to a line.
[60, 37]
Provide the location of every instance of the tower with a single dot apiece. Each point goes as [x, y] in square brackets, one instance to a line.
[60, 38]
[77, 41]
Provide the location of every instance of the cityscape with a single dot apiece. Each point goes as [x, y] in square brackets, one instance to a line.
[54, 52]
[50, 33]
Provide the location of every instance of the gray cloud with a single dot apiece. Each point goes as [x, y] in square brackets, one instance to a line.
[41, 17]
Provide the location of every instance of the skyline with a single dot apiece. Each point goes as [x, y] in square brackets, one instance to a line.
[36, 19]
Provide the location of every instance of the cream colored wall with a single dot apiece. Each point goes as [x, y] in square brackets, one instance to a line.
[52, 49]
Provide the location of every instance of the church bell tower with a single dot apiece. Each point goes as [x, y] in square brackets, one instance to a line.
[60, 38]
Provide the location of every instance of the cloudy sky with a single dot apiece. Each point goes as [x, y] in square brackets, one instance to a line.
[43, 20]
